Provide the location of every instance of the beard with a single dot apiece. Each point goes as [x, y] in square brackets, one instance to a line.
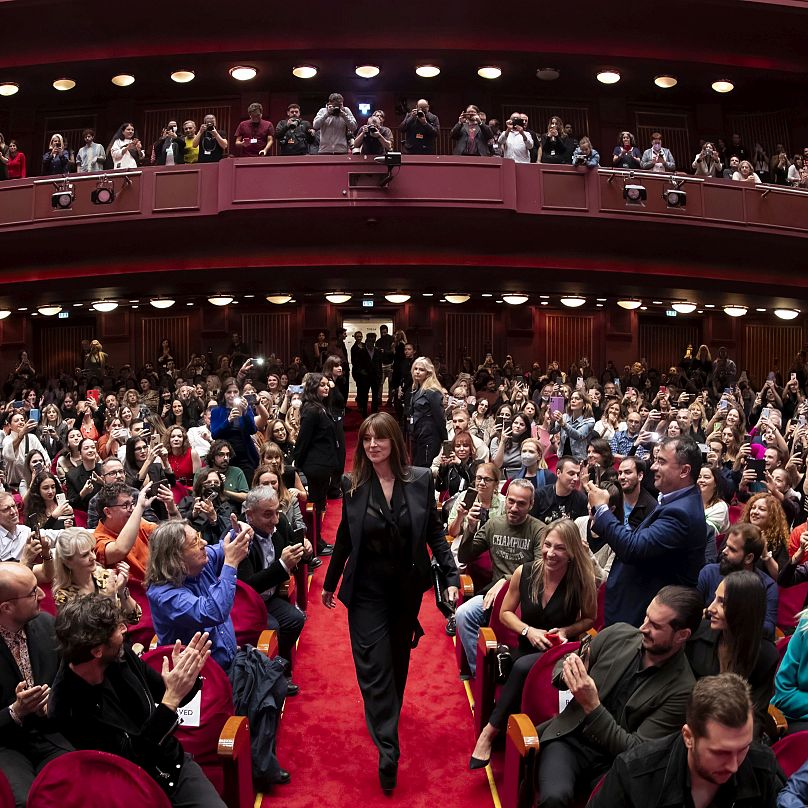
[725, 566]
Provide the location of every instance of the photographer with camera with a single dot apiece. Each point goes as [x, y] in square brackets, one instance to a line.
[707, 162]
[515, 142]
[470, 134]
[421, 129]
[169, 149]
[210, 142]
[373, 138]
[254, 136]
[553, 149]
[335, 123]
[294, 134]
[585, 155]
[658, 159]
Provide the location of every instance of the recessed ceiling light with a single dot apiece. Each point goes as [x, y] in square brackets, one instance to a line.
[601, 299]
[643, 308]
[666, 82]
[64, 84]
[760, 309]
[486, 294]
[608, 76]
[723, 86]
[367, 71]
[123, 79]
[489, 72]
[709, 305]
[304, 71]
[9, 88]
[544, 303]
[657, 302]
[427, 294]
[23, 308]
[547, 73]
[243, 72]
[544, 297]
[189, 304]
[183, 76]
[427, 71]
[367, 294]
[249, 295]
[78, 305]
[135, 306]
[500, 301]
[599, 305]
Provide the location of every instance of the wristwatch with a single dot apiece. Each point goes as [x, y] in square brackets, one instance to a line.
[524, 631]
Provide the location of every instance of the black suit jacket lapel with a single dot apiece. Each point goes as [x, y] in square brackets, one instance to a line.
[414, 497]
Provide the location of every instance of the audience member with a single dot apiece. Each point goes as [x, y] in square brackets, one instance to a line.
[658, 158]
[335, 124]
[515, 142]
[91, 156]
[294, 134]
[421, 129]
[562, 498]
[471, 134]
[253, 137]
[212, 144]
[191, 153]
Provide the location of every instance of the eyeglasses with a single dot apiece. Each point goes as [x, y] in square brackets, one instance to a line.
[127, 506]
[32, 594]
[197, 540]
[485, 480]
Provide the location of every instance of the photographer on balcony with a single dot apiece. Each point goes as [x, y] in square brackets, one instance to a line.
[373, 138]
[335, 123]
[209, 140]
[658, 158]
[585, 155]
[421, 129]
[471, 135]
[515, 142]
[294, 134]
[707, 162]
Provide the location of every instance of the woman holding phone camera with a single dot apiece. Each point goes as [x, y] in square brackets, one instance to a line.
[557, 600]
[183, 460]
[34, 464]
[205, 508]
[86, 479]
[232, 420]
[42, 503]
[766, 513]
[456, 470]
[574, 426]
[388, 518]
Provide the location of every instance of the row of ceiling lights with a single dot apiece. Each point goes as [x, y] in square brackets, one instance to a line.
[369, 71]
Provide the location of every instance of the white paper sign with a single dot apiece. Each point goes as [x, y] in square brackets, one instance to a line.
[564, 698]
[190, 713]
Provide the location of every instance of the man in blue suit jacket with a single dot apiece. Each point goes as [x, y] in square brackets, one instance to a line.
[666, 548]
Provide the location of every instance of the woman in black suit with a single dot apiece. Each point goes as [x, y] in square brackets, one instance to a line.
[334, 371]
[427, 422]
[317, 448]
[388, 518]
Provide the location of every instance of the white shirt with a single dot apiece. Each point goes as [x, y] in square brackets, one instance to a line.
[515, 146]
[12, 544]
[16, 463]
[200, 439]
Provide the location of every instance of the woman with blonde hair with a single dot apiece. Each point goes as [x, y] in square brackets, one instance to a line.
[766, 513]
[557, 602]
[272, 455]
[77, 574]
[426, 418]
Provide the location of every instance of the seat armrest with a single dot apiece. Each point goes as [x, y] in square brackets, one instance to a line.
[268, 643]
[521, 749]
[234, 737]
[466, 586]
[522, 734]
[153, 644]
[779, 720]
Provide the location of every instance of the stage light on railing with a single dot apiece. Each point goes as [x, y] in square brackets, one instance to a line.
[337, 297]
[457, 299]
[666, 82]
[427, 71]
[243, 72]
[104, 192]
[62, 198]
[548, 73]
[49, 311]
[183, 76]
[279, 300]
[735, 311]
[105, 305]
[4, 313]
[609, 76]
[514, 299]
[9, 88]
[723, 86]
[162, 302]
[573, 301]
[675, 197]
[684, 307]
[489, 72]
[630, 304]
[367, 71]
[304, 71]
[123, 79]
[64, 84]
[787, 314]
[220, 300]
[634, 194]
[397, 297]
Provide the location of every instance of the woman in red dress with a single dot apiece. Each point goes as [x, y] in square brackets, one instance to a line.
[183, 459]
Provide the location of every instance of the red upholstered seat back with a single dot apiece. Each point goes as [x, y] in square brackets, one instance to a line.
[792, 752]
[6, 794]
[790, 601]
[144, 630]
[539, 697]
[782, 646]
[249, 614]
[47, 604]
[217, 706]
[600, 619]
[504, 635]
[79, 779]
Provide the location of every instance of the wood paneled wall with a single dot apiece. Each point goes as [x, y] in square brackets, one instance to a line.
[663, 344]
[569, 337]
[467, 335]
[59, 349]
[153, 330]
[766, 344]
[267, 334]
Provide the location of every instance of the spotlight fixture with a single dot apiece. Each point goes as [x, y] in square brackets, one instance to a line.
[787, 314]
[666, 82]
[105, 305]
[62, 198]
[514, 299]
[675, 197]
[183, 76]
[64, 84]
[279, 299]
[723, 86]
[397, 297]
[684, 307]
[123, 79]
[220, 300]
[634, 193]
[9, 88]
[243, 72]
[489, 72]
[427, 71]
[162, 302]
[735, 311]
[4, 313]
[49, 311]
[608, 76]
[457, 298]
[367, 71]
[573, 301]
[337, 297]
[391, 159]
[630, 304]
[304, 71]
[548, 73]
[104, 192]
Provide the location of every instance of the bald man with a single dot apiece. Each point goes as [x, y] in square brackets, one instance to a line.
[421, 129]
[28, 665]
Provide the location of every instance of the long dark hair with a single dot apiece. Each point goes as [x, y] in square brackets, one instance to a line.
[34, 503]
[744, 610]
[310, 397]
[381, 425]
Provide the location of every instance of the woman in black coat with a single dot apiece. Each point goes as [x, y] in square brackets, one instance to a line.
[427, 423]
[388, 518]
[333, 370]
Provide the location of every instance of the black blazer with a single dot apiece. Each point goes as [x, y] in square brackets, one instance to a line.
[419, 495]
[76, 478]
[317, 440]
[426, 410]
[252, 570]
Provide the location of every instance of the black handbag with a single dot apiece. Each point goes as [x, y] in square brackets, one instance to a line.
[504, 663]
[439, 585]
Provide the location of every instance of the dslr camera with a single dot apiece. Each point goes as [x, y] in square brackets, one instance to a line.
[519, 122]
[372, 129]
[334, 111]
[209, 126]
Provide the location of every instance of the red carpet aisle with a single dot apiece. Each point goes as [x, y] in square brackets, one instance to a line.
[323, 738]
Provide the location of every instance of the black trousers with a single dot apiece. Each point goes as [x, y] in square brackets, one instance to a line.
[194, 790]
[288, 621]
[424, 450]
[317, 481]
[381, 627]
[566, 768]
[510, 696]
[21, 766]
[364, 388]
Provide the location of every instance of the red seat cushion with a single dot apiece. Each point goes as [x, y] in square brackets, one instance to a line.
[539, 697]
[792, 752]
[249, 614]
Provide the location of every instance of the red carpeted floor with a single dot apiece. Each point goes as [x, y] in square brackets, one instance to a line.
[323, 739]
